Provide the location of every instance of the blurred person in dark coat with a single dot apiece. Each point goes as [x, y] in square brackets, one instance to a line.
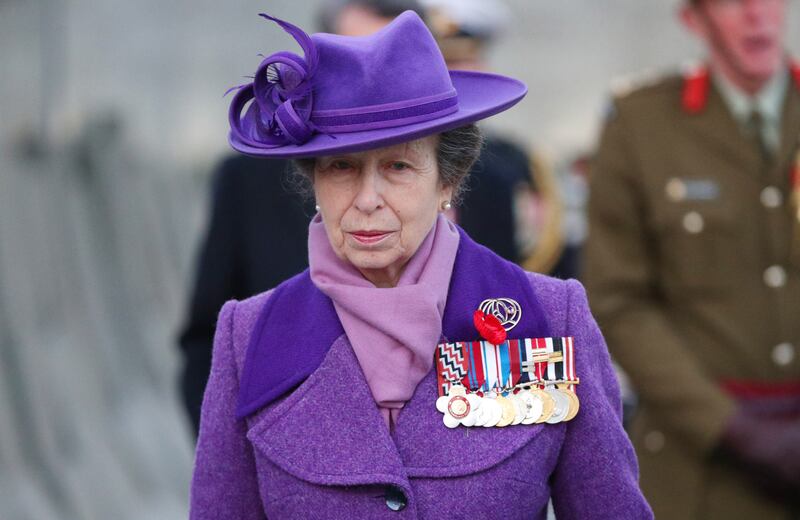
[693, 268]
[256, 236]
[511, 204]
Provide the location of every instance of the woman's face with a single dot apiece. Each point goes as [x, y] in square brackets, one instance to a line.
[377, 206]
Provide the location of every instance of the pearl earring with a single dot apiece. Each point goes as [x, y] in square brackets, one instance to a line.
[317, 208]
[446, 205]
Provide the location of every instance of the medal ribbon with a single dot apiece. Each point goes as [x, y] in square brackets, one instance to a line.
[496, 365]
[569, 361]
[554, 369]
[795, 204]
[480, 365]
[452, 365]
[477, 373]
[536, 355]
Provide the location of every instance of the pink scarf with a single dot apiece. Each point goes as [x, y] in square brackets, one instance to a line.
[393, 331]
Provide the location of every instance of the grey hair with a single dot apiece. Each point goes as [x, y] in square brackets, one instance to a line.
[456, 153]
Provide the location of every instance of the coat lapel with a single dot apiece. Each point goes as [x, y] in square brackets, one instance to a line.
[329, 430]
[717, 128]
[429, 449]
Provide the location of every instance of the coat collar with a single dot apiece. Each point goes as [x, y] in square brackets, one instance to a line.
[709, 117]
[298, 323]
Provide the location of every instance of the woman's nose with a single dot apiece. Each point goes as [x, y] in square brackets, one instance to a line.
[370, 191]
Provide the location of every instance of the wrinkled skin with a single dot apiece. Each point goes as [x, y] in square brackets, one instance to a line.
[379, 205]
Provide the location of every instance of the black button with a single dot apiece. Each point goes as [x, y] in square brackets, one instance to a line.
[395, 499]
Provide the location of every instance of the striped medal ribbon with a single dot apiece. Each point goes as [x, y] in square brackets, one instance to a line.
[556, 374]
[795, 204]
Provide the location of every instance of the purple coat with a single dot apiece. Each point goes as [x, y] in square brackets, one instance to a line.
[324, 450]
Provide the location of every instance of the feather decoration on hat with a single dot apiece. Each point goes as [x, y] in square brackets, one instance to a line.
[282, 95]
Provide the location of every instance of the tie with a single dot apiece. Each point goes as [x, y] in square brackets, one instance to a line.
[755, 129]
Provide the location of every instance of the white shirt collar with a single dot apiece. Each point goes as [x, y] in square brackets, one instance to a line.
[768, 101]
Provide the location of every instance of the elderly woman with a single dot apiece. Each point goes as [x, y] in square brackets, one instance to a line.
[409, 372]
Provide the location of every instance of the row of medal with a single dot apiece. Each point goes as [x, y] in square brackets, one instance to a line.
[551, 405]
[520, 381]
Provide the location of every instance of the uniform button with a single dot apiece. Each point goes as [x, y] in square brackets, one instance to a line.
[771, 197]
[676, 189]
[395, 499]
[775, 276]
[693, 222]
[783, 354]
[654, 441]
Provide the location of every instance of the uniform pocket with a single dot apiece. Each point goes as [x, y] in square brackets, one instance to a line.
[697, 249]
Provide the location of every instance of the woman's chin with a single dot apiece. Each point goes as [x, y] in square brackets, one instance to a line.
[373, 260]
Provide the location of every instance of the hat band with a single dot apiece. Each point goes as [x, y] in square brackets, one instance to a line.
[386, 115]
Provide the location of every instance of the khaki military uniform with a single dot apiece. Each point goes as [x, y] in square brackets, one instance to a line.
[690, 274]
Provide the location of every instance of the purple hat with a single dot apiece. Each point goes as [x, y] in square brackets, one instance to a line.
[356, 93]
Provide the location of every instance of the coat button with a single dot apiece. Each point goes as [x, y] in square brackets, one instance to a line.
[775, 276]
[693, 222]
[654, 441]
[783, 354]
[395, 499]
[771, 197]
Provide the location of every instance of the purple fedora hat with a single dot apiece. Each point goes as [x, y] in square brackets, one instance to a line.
[350, 94]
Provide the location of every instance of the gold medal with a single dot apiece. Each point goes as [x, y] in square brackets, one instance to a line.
[574, 402]
[509, 412]
[547, 404]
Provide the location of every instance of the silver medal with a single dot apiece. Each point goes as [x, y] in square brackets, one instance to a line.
[534, 407]
[561, 409]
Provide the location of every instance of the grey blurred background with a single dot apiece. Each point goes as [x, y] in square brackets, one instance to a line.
[111, 118]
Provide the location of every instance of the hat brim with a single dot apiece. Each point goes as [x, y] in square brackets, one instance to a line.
[480, 95]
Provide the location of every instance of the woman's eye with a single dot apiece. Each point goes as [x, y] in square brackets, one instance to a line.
[398, 166]
[341, 165]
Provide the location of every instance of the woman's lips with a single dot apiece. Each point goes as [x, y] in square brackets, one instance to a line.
[369, 237]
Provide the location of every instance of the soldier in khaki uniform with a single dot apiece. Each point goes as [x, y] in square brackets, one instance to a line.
[693, 268]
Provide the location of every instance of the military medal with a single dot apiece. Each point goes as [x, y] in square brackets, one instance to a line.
[520, 409]
[569, 374]
[556, 374]
[533, 406]
[458, 407]
[503, 382]
[561, 405]
[574, 403]
[509, 411]
[547, 404]
[483, 414]
[493, 412]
